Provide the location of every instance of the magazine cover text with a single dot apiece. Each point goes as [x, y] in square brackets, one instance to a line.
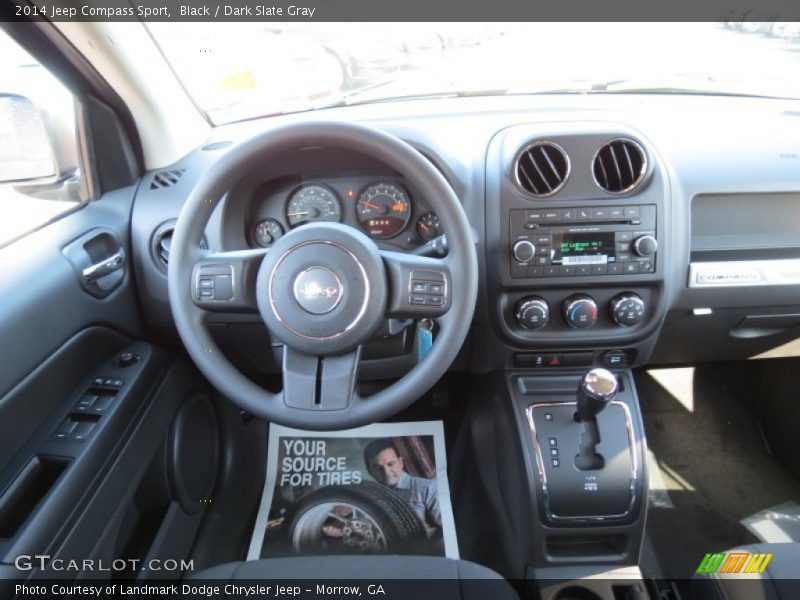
[380, 489]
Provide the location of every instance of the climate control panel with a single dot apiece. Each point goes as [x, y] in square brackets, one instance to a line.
[580, 311]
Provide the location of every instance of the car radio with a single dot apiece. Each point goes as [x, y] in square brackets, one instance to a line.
[584, 241]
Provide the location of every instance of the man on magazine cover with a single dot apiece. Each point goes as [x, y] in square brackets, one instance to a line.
[386, 465]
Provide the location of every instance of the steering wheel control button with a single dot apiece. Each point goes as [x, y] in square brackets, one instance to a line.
[214, 282]
[427, 288]
[580, 311]
[532, 313]
[318, 290]
[627, 309]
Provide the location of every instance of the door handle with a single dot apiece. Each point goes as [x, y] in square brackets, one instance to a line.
[94, 272]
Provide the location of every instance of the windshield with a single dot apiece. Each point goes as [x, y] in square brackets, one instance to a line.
[237, 71]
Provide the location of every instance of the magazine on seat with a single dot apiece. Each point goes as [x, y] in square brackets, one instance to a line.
[379, 489]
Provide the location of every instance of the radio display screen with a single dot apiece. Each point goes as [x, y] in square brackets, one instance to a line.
[584, 248]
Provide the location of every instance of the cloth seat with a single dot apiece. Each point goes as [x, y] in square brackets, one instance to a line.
[455, 579]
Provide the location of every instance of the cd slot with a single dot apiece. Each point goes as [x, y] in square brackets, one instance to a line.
[590, 222]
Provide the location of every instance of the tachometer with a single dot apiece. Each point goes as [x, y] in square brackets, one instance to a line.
[266, 232]
[313, 202]
[383, 210]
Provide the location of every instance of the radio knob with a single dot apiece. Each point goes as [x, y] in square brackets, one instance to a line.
[580, 311]
[645, 245]
[532, 312]
[524, 251]
[627, 309]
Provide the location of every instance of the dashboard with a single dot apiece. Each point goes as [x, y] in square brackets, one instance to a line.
[383, 207]
[611, 229]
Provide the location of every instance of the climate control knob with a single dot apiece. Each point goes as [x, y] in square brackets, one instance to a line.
[627, 309]
[532, 312]
[645, 245]
[580, 311]
[523, 251]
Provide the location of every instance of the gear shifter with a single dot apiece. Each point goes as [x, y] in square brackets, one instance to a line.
[587, 449]
[597, 388]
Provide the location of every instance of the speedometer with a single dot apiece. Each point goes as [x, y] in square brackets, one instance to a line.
[383, 210]
[313, 202]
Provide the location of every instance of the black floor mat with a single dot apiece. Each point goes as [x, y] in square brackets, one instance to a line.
[718, 454]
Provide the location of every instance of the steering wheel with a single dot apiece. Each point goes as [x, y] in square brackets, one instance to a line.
[323, 288]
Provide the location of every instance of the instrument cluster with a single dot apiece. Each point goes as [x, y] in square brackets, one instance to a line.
[382, 207]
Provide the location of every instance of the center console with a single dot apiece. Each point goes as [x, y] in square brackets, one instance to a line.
[564, 465]
[577, 255]
[577, 246]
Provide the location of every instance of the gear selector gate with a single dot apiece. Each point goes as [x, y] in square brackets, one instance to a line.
[586, 451]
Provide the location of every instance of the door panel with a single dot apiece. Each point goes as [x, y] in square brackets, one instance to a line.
[44, 304]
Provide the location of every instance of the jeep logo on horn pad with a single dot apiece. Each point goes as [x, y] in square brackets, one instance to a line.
[318, 290]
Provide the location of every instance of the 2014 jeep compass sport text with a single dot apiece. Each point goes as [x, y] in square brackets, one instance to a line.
[552, 270]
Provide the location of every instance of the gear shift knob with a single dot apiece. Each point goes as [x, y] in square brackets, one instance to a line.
[597, 388]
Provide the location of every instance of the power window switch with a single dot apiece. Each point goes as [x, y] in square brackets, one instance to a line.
[87, 401]
[82, 431]
[64, 430]
[101, 405]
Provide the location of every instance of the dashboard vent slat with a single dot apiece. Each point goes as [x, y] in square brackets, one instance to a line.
[542, 168]
[619, 166]
[165, 179]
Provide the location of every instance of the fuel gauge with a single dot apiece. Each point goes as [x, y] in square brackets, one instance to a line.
[428, 227]
[267, 232]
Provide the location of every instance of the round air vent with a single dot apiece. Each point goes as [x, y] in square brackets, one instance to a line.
[542, 168]
[162, 241]
[619, 166]
[163, 245]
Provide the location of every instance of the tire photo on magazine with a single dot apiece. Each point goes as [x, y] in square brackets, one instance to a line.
[339, 495]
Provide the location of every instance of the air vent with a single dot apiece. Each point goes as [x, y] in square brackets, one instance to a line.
[619, 166]
[165, 179]
[542, 169]
[162, 243]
